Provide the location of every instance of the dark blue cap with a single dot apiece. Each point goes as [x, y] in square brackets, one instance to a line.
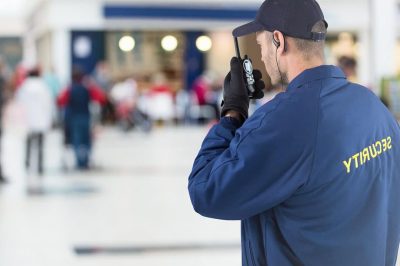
[294, 18]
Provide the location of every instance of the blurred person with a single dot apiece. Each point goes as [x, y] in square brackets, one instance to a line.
[349, 67]
[5, 70]
[125, 96]
[3, 83]
[205, 92]
[160, 100]
[313, 175]
[35, 98]
[76, 100]
[19, 76]
[6, 74]
[159, 84]
[102, 78]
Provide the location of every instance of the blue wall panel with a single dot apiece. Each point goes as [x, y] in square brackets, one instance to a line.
[91, 49]
[190, 13]
[194, 59]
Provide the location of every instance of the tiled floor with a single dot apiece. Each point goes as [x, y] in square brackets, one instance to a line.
[133, 209]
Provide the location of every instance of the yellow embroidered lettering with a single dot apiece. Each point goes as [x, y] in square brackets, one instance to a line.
[378, 143]
[384, 144]
[361, 158]
[355, 157]
[369, 153]
[372, 151]
[389, 143]
[347, 164]
[366, 155]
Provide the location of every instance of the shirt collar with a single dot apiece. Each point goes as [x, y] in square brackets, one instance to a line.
[317, 73]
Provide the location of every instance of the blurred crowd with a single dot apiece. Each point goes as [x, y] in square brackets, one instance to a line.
[92, 100]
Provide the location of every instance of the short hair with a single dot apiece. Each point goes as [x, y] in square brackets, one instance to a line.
[78, 74]
[34, 72]
[309, 48]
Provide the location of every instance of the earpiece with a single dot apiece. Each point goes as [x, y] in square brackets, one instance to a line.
[276, 43]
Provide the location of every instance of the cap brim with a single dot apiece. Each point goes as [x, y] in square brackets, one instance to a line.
[248, 28]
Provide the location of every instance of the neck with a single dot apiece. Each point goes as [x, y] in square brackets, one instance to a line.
[298, 65]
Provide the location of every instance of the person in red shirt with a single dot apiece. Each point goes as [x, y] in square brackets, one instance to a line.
[76, 100]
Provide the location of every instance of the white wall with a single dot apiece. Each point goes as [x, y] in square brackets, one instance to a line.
[76, 14]
[11, 9]
[11, 27]
[346, 15]
[14, 14]
[11, 16]
[383, 41]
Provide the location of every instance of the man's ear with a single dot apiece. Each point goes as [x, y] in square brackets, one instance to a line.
[276, 43]
[279, 41]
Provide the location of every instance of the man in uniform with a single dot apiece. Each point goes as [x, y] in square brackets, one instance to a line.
[314, 175]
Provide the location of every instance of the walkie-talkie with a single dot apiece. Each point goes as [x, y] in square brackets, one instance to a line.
[247, 70]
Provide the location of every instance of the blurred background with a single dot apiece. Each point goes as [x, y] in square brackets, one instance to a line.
[104, 107]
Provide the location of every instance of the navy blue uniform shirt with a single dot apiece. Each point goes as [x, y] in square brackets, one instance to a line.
[314, 176]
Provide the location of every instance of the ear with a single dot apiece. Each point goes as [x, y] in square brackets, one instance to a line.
[279, 41]
[276, 43]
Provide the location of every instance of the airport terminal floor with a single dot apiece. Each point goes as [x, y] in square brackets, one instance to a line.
[132, 209]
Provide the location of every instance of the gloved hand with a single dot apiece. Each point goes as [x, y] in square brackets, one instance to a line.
[235, 96]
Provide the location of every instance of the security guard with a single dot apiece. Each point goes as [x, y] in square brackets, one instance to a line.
[314, 175]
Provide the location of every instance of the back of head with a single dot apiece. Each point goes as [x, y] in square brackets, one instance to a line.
[78, 74]
[34, 72]
[310, 49]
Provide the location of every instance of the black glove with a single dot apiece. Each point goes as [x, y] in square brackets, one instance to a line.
[236, 95]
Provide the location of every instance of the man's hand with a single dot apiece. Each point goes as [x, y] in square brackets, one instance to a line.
[235, 94]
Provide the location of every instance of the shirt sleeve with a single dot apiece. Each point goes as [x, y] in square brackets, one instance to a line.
[63, 97]
[243, 171]
[97, 95]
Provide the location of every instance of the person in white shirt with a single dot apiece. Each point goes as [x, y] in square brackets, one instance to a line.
[35, 97]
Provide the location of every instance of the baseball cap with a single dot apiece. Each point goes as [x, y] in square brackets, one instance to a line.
[294, 18]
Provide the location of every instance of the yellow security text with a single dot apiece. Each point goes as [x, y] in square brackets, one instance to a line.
[367, 154]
